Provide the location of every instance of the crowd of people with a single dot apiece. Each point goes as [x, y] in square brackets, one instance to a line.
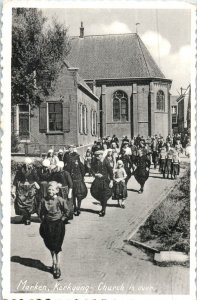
[56, 189]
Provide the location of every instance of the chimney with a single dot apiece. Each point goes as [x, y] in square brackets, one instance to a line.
[81, 31]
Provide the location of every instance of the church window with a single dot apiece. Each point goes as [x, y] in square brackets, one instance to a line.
[160, 101]
[120, 106]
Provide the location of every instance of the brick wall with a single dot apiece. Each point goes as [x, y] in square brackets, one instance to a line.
[88, 138]
[66, 90]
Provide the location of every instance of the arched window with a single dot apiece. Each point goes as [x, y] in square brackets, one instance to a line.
[160, 101]
[120, 106]
[116, 109]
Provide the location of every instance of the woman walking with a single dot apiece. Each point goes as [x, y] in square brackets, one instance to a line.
[25, 191]
[65, 191]
[141, 172]
[53, 212]
[44, 174]
[101, 188]
[77, 172]
[87, 161]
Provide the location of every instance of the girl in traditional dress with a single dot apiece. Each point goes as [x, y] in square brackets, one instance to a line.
[77, 172]
[141, 172]
[119, 185]
[65, 191]
[126, 162]
[101, 188]
[24, 191]
[53, 212]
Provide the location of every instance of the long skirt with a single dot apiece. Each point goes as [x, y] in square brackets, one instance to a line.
[26, 199]
[80, 190]
[119, 190]
[141, 175]
[64, 194]
[53, 234]
[100, 189]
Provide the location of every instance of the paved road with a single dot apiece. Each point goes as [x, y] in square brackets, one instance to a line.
[93, 260]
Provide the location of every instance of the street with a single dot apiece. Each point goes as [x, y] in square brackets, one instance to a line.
[93, 260]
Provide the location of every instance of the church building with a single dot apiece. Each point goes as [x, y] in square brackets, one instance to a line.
[108, 84]
[133, 93]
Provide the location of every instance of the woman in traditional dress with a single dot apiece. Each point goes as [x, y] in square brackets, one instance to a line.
[119, 186]
[65, 191]
[53, 213]
[24, 191]
[110, 158]
[141, 172]
[77, 172]
[44, 177]
[101, 188]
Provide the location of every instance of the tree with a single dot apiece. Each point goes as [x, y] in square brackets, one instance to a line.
[38, 50]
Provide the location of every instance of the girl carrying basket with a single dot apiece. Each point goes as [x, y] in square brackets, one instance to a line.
[53, 212]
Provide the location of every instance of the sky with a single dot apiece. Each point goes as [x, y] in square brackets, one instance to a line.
[165, 32]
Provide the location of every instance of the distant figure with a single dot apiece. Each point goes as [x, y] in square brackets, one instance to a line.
[88, 161]
[141, 172]
[77, 173]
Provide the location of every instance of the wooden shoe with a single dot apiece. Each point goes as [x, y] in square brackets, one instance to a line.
[101, 214]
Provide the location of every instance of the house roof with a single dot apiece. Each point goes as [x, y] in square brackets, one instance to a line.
[80, 82]
[112, 56]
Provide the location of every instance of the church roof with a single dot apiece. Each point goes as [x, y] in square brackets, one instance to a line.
[112, 56]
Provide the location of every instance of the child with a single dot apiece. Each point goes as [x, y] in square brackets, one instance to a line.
[119, 186]
[175, 164]
[53, 212]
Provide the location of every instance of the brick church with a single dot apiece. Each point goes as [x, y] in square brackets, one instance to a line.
[109, 84]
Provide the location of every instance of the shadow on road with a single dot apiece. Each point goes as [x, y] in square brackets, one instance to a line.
[132, 190]
[32, 263]
[157, 177]
[90, 210]
[18, 219]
